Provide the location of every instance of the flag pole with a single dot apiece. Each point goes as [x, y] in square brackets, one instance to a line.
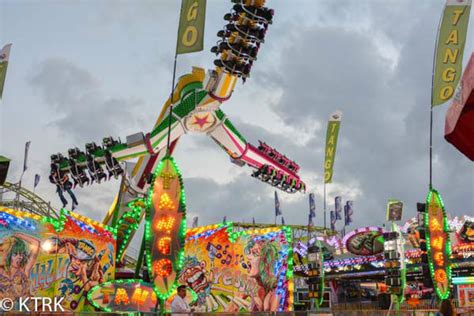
[25, 157]
[142, 251]
[171, 105]
[431, 147]
[172, 89]
[308, 235]
[309, 232]
[324, 204]
[431, 107]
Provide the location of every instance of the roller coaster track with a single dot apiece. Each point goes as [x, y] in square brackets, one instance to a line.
[26, 200]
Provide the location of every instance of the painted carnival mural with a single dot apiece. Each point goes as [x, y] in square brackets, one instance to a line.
[232, 272]
[41, 257]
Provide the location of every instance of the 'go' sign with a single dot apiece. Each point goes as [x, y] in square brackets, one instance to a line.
[191, 26]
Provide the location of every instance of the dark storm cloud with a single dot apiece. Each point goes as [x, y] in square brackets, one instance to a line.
[372, 60]
[81, 111]
[383, 147]
[245, 197]
[383, 141]
[239, 200]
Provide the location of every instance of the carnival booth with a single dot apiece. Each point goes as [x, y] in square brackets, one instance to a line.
[225, 270]
[49, 258]
[356, 267]
[235, 271]
[226, 267]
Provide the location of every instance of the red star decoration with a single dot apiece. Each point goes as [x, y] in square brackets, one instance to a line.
[201, 121]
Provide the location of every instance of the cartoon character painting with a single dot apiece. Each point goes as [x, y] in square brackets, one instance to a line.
[5, 246]
[18, 254]
[242, 272]
[84, 270]
[261, 256]
[195, 276]
[42, 258]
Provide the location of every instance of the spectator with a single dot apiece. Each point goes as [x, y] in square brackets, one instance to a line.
[179, 305]
[447, 308]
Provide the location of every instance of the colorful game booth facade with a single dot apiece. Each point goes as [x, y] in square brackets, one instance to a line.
[49, 258]
[224, 270]
[229, 271]
[357, 259]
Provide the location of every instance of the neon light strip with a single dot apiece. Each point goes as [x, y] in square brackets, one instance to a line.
[8, 219]
[206, 234]
[463, 280]
[441, 293]
[24, 219]
[357, 274]
[455, 224]
[179, 258]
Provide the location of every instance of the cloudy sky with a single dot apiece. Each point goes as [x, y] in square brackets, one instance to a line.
[82, 70]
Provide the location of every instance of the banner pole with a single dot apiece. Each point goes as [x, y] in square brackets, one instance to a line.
[324, 205]
[172, 87]
[171, 105]
[308, 234]
[25, 157]
[431, 147]
[431, 107]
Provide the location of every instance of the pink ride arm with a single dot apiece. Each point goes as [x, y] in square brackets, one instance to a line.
[269, 165]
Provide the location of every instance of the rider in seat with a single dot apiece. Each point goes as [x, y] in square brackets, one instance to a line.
[61, 180]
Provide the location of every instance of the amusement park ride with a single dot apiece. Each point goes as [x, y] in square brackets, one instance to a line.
[226, 267]
[195, 104]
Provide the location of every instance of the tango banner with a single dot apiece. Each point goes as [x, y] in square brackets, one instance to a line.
[191, 26]
[331, 142]
[449, 51]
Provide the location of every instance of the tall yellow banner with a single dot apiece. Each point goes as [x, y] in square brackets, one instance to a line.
[191, 26]
[449, 52]
[331, 143]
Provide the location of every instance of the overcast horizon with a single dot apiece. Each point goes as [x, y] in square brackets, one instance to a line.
[83, 70]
